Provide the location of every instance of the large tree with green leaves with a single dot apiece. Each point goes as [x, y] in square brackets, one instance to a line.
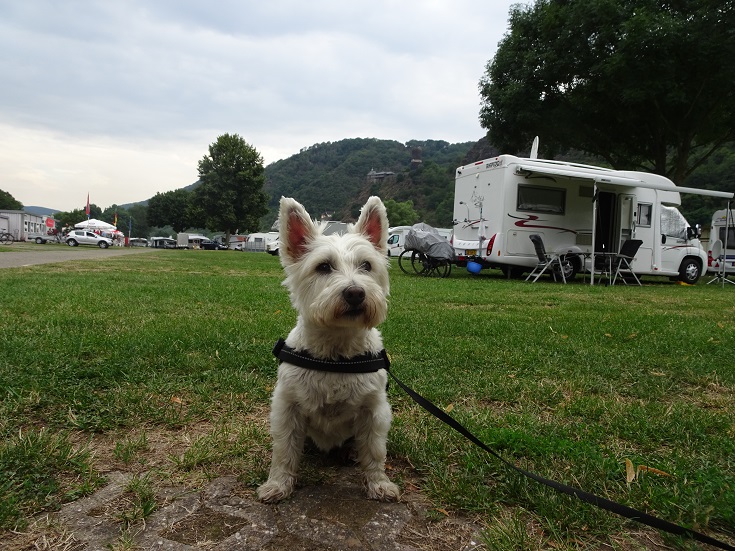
[8, 202]
[132, 221]
[645, 84]
[231, 194]
[401, 214]
[175, 208]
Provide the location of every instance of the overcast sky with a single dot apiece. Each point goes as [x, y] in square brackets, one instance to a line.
[121, 98]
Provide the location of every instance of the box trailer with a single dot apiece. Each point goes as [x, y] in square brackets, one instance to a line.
[189, 240]
[578, 210]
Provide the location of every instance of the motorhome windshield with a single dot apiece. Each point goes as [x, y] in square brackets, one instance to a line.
[673, 223]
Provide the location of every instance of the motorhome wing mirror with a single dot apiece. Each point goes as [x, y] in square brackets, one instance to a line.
[694, 232]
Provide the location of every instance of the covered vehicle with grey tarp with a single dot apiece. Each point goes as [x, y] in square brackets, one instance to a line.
[422, 237]
[426, 252]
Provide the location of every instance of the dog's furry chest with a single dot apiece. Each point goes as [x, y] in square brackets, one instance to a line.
[330, 395]
[335, 410]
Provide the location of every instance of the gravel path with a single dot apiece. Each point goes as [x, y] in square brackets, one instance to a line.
[18, 255]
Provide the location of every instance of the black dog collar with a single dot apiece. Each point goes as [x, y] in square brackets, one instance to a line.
[364, 363]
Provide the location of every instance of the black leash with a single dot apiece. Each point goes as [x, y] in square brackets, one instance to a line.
[367, 363]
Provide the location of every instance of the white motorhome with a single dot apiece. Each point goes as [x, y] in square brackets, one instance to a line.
[397, 238]
[721, 253]
[579, 210]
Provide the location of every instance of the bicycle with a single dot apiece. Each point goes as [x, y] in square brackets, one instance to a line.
[423, 264]
[6, 238]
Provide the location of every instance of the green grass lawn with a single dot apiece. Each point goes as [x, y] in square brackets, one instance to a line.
[160, 363]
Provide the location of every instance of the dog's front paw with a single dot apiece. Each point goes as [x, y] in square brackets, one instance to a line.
[273, 492]
[382, 489]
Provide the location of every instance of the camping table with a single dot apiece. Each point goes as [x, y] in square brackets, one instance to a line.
[607, 269]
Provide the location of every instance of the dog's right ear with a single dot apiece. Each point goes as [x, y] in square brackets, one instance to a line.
[296, 230]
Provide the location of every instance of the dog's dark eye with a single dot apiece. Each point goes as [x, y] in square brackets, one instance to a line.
[366, 266]
[324, 268]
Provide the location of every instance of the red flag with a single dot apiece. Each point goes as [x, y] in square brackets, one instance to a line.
[87, 209]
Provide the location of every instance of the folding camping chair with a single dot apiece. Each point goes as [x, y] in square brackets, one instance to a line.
[546, 261]
[622, 262]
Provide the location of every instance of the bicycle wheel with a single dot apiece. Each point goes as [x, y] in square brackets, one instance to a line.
[446, 268]
[420, 263]
[404, 260]
[6, 238]
[437, 268]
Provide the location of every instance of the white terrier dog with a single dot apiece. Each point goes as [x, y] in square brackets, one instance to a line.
[339, 286]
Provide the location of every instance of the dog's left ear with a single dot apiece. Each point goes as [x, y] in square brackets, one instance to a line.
[373, 224]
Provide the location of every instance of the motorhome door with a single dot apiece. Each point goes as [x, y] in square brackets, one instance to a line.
[615, 220]
[627, 209]
[606, 222]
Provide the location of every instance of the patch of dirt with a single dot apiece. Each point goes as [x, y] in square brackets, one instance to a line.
[206, 526]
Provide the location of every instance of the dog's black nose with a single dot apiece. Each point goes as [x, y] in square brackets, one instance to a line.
[354, 295]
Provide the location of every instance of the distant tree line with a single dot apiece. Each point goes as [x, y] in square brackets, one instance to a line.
[8, 202]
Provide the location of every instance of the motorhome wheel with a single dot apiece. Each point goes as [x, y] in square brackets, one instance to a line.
[690, 271]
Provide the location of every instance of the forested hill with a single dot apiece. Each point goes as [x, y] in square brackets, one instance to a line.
[337, 177]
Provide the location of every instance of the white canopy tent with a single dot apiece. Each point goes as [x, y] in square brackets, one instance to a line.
[94, 224]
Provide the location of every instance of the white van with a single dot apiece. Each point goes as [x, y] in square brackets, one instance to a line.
[397, 238]
[721, 253]
[577, 209]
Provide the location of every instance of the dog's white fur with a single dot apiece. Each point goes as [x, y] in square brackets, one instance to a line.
[339, 285]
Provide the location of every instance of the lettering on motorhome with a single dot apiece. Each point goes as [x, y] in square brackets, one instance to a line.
[494, 164]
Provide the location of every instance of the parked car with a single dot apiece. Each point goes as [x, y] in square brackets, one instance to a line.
[213, 245]
[84, 237]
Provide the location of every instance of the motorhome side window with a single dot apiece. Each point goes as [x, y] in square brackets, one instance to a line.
[393, 239]
[730, 237]
[673, 223]
[541, 199]
[644, 214]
